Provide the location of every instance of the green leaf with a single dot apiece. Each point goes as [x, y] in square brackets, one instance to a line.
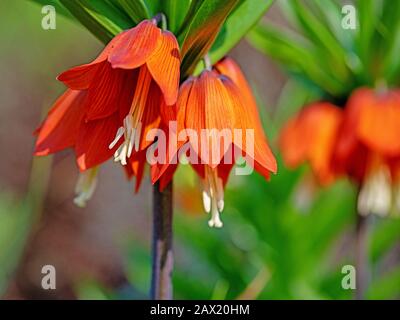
[200, 29]
[330, 11]
[100, 17]
[366, 19]
[239, 22]
[175, 10]
[297, 55]
[154, 6]
[136, 9]
[391, 20]
[317, 31]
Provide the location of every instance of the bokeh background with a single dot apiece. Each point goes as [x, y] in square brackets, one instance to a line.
[285, 239]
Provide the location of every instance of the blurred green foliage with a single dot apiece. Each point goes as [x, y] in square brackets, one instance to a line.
[317, 50]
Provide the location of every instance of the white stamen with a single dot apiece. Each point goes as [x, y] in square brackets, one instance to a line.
[376, 194]
[120, 154]
[85, 187]
[221, 205]
[206, 202]
[215, 220]
[118, 136]
[220, 194]
[213, 196]
[131, 142]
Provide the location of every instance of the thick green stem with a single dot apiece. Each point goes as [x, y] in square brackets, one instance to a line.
[161, 282]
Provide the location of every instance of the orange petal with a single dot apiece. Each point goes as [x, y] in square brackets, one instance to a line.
[167, 176]
[103, 95]
[262, 155]
[164, 66]
[224, 170]
[80, 77]
[379, 122]
[93, 140]
[312, 137]
[135, 46]
[292, 143]
[59, 130]
[231, 69]
[137, 163]
[183, 99]
[208, 108]
[169, 113]
[151, 116]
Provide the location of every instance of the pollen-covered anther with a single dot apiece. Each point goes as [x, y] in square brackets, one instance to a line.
[85, 187]
[213, 196]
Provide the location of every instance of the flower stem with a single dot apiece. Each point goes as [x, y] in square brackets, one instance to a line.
[160, 18]
[161, 284]
[362, 273]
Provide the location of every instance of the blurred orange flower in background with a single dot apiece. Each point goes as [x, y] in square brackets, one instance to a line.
[360, 141]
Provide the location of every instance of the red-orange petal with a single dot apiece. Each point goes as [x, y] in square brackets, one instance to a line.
[59, 130]
[80, 77]
[312, 137]
[164, 66]
[231, 69]
[151, 116]
[167, 176]
[93, 140]
[103, 95]
[137, 163]
[262, 155]
[208, 108]
[379, 120]
[135, 46]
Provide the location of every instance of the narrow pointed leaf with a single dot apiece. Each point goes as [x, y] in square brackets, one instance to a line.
[317, 31]
[175, 10]
[298, 57]
[100, 17]
[154, 6]
[240, 21]
[136, 9]
[201, 30]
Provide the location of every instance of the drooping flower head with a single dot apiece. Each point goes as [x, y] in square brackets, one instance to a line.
[368, 147]
[218, 114]
[114, 101]
[360, 141]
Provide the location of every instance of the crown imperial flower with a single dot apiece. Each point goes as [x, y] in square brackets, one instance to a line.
[218, 107]
[114, 101]
[359, 141]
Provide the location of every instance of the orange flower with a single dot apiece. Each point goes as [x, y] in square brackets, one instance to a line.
[215, 113]
[311, 136]
[360, 141]
[114, 101]
[368, 147]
